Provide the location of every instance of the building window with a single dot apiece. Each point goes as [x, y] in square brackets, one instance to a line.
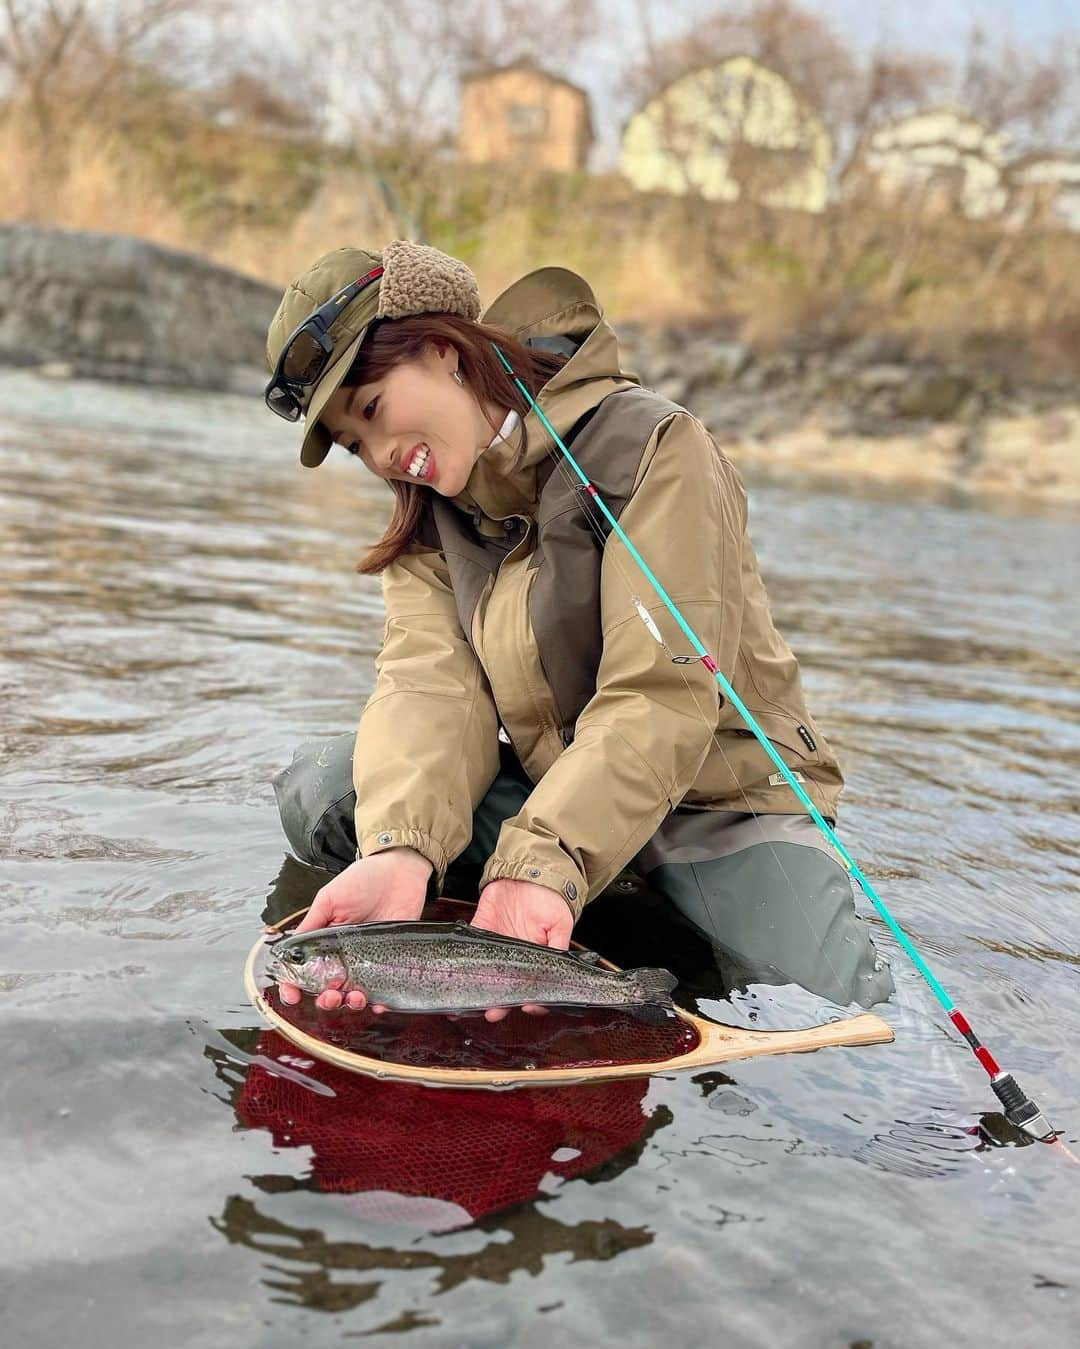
[526, 119]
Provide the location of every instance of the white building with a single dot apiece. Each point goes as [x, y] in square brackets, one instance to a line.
[1044, 189]
[943, 159]
[730, 131]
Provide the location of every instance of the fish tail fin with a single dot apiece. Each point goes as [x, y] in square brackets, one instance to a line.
[652, 985]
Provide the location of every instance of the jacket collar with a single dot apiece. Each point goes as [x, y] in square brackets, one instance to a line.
[548, 302]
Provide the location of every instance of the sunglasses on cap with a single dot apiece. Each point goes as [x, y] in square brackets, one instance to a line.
[307, 351]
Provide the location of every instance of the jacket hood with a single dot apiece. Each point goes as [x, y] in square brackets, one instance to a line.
[556, 309]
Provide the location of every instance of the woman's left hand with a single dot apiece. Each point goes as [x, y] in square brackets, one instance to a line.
[529, 913]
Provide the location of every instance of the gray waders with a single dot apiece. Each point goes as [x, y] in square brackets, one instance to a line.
[765, 890]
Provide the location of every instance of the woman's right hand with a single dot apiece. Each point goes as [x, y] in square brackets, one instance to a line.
[385, 887]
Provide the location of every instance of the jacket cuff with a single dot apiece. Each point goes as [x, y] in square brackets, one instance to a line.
[381, 840]
[557, 873]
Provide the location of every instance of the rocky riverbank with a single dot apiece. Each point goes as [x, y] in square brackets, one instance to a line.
[106, 306]
[870, 412]
[865, 412]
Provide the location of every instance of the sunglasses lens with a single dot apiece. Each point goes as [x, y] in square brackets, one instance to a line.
[282, 402]
[304, 360]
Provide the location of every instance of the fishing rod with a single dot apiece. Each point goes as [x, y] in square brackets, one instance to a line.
[1020, 1109]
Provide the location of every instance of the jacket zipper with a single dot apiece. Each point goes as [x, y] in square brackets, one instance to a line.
[560, 733]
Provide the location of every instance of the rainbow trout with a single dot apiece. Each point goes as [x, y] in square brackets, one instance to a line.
[454, 967]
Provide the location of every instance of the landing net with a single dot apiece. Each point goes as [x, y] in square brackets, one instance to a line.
[564, 1046]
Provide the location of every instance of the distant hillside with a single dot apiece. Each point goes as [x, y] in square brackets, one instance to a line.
[267, 205]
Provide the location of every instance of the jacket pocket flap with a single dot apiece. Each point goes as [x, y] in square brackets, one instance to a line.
[786, 731]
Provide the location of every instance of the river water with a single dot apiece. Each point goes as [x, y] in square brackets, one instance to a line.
[179, 610]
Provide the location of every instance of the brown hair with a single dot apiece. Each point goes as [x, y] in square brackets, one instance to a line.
[391, 341]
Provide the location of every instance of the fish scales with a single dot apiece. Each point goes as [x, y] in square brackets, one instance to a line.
[428, 967]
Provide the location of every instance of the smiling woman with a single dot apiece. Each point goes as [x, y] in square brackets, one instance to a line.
[423, 399]
[526, 731]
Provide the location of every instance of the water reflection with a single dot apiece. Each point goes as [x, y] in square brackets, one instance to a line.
[520, 1242]
[409, 1158]
[474, 1152]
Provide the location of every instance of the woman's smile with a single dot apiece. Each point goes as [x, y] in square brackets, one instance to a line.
[419, 463]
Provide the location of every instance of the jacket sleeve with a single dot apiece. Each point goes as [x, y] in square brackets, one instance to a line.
[427, 744]
[642, 738]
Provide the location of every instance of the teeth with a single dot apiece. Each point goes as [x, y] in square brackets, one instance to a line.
[418, 463]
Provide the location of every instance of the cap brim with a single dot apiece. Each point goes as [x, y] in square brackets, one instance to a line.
[318, 441]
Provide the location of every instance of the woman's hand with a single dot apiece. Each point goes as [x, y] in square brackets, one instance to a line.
[385, 887]
[528, 912]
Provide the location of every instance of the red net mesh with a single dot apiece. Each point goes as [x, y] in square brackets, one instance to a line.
[479, 1150]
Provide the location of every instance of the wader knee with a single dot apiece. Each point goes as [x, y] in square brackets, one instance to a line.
[781, 912]
[316, 802]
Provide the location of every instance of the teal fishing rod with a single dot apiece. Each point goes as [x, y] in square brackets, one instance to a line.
[1019, 1108]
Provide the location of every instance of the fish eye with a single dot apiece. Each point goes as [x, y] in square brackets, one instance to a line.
[297, 955]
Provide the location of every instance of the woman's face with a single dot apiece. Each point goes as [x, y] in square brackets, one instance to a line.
[416, 424]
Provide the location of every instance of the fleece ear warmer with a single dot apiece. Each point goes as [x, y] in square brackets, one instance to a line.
[419, 279]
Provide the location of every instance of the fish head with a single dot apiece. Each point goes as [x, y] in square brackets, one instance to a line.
[311, 966]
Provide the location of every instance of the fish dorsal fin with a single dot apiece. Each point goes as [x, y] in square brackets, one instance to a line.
[587, 957]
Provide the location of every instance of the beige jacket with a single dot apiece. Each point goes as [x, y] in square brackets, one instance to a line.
[653, 734]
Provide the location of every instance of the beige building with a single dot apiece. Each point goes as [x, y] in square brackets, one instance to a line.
[942, 159]
[728, 132]
[522, 113]
[1044, 190]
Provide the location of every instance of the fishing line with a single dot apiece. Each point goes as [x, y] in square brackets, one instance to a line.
[1020, 1109]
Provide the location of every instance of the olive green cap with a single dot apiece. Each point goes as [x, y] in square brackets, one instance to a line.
[416, 279]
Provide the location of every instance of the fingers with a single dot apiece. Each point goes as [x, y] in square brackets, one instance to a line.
[317, 916]
[330, 999]
[501, 1013]
[558, 934]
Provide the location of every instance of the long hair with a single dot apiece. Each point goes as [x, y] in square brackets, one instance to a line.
[391, 341]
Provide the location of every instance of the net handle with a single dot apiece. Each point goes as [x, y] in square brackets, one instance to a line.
[718, 1044]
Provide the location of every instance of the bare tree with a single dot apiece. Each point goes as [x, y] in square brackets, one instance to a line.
[60, 60]
[780, 34]
[1034, 98]
[388, 77]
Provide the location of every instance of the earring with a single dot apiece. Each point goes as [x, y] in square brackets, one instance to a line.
[457, 376]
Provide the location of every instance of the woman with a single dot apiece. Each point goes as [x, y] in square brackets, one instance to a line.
[524, 717]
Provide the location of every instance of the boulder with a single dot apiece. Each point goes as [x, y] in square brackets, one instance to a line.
[933, 395]
[111, 307]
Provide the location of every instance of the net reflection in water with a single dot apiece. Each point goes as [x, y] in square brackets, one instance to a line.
[478, 1151]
